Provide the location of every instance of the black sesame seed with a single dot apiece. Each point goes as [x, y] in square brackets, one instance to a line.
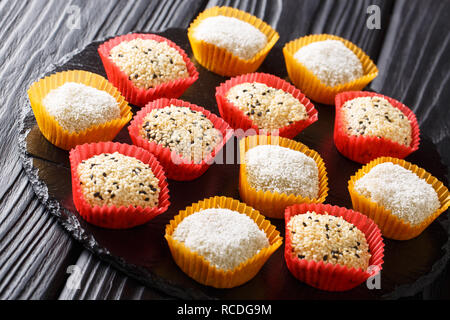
[300, 256]
[98, 195]
[304, 224]
[147, 199]
[325, 257]
[112, 196]
[357, 255]
[104, 174]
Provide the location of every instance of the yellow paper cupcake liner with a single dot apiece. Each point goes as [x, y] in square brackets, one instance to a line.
[196, 267]
[220, 60]
[50, 128]
[391, 226]
[273, 204]
[310, 85]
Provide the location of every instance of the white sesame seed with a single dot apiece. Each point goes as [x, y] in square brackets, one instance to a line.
[187, 132]
[267, 107]
[375, 116]
[323, 237]
[149, 63]
[119, 180]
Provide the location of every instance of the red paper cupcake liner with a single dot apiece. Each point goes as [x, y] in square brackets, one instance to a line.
[326, 276]
[237, 119]
[364, 149]
[180, 169]
[138, 96]
[113, 217]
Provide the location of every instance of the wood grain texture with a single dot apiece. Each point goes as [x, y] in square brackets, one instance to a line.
[35, 251]
[414, 57]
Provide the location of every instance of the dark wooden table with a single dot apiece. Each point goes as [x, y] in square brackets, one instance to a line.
[411, 49]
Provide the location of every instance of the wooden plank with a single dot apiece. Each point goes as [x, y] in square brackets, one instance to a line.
[34, 250]
[415, 69]
[98, 281]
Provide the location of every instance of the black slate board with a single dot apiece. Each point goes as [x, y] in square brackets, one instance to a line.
[143, 253]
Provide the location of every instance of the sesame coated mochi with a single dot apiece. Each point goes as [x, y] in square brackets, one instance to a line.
[399, 190]
[267, 107]
[331, 62]
[375, 116]
[323, 237]
[282, 170]
[119, 180]
[187, 132]
[236, 36]
[149, 63]
[225, 238]
[77, 107]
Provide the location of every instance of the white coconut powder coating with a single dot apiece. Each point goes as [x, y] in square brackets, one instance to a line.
[149, 63]
[375, 116]
[323, 237]
[119, 180]
[187, 132]
[331, 62]
[282, 170]
[399, 190]
[267, 107]
[225, 238]
[77, 107]
[238, 37]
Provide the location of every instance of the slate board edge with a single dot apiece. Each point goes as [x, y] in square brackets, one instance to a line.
[71, 224]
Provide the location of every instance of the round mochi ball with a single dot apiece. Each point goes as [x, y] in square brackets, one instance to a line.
[187, 132]
[331, 62]
[225, 238]
[77, 107]
[149, 63]
[267, 107]
[399, 190]
[236, 36]
[375, 116]
[118, 180]
[323, 237]
[282, 170]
